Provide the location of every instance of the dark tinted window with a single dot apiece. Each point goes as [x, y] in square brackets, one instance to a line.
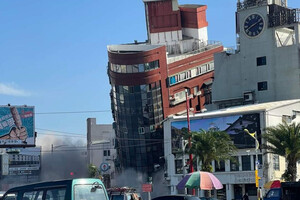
[246, 163]
[262, 85]
[10, 196]
[261, 61]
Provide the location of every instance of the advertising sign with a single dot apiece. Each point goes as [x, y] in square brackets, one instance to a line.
[147, 187]
[17, 126]
[233, 125]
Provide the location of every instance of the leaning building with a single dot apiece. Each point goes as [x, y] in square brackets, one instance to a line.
[153, 79]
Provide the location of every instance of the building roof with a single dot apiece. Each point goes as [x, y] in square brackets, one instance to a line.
[127, 48]
[243, 109]
[151, 0]
[191, 5]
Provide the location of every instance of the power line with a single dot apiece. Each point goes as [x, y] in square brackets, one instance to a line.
[71, 112]
[65, 133]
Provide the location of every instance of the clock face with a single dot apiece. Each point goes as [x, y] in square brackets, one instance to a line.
[253, 25]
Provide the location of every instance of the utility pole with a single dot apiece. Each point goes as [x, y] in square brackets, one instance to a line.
[189, 130]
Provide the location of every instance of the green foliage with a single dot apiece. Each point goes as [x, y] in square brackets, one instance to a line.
[284, 140]
[93, 171]
[211, 145]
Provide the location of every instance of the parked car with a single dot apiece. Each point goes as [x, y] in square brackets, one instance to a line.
[177, 197]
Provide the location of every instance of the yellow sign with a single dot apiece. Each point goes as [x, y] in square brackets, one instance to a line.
[257, 178]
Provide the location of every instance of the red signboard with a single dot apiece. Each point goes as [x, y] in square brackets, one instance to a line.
[147, 187]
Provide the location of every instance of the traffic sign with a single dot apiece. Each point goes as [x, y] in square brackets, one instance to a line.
[104, 167]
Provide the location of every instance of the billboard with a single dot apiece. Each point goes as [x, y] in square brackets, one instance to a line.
[233, 125]
[17, 126]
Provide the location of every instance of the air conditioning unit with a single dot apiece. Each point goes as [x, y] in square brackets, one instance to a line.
[248, 96]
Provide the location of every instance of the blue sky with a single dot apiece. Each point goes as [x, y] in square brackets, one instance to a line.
[53, 53]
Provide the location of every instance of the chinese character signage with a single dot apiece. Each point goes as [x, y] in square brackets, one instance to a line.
[17, 126]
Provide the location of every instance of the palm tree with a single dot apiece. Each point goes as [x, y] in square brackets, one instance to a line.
[284, 140]
[211, 145]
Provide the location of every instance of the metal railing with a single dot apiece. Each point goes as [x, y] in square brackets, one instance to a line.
[251, 3]
[186, 48]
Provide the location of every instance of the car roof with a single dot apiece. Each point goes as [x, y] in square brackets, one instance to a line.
[53, 183]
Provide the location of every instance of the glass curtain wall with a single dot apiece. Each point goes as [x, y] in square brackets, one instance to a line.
[138, 112]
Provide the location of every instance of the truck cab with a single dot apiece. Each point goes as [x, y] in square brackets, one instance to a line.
[288, 191]
[123, 193]
[273, 194]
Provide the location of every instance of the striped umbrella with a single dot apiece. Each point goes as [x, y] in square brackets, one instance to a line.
[272, 184]
[201, 180]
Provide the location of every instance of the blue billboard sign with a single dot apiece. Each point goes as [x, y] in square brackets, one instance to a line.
[233, 125]
[17, 126]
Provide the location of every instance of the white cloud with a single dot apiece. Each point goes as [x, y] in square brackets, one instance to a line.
[11, 90]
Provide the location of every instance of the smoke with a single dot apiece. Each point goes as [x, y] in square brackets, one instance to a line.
[160, 185]
[132, 178]
[62, 158]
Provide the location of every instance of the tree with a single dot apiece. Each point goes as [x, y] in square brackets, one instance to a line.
[211, 145]
[94, 172]
[284, 140]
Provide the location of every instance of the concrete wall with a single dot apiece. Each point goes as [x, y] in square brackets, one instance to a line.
[238, 73]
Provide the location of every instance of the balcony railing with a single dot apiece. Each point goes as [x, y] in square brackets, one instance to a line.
[251, 3]
[186, 48]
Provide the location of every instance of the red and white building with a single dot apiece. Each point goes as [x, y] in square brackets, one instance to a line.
[150, 80]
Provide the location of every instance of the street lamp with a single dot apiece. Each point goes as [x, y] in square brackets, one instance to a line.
[254, 136]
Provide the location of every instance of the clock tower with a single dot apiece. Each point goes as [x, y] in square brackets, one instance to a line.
[264, 67]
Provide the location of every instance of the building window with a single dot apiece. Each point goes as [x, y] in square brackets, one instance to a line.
[178, 166]
[191, 73]
[246, 163]
[276, 162]
[262, 86]
[106, 153]
[207, 94]
[141, 130]
[220, 167]
[261, 61]
[234, 164]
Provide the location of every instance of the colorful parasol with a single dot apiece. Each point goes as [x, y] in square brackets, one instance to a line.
[272, 184]
[201, 180]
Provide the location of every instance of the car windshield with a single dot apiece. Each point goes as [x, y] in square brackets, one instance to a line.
[89, 192]
[192, 198]
[117, 197]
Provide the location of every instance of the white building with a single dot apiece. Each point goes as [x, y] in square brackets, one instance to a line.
[266, 65]
[236, 178]
[101, 147]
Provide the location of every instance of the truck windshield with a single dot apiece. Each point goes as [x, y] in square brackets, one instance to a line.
[273, 193]
[117, 197]
[89, 192]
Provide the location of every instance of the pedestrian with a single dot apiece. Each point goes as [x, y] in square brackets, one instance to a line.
[245, 197]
